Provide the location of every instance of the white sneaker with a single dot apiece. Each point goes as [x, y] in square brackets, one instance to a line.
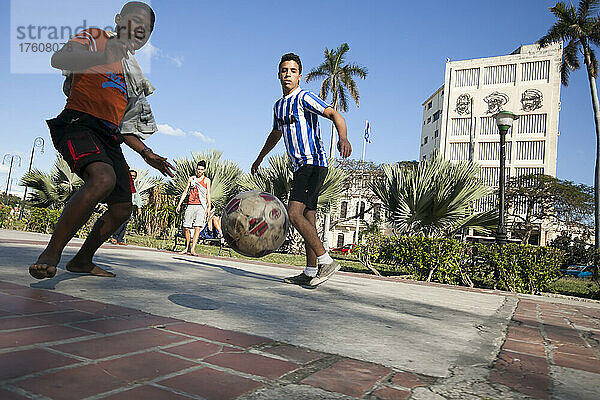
[326, 271]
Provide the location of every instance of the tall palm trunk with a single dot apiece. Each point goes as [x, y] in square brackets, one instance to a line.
[596, 107]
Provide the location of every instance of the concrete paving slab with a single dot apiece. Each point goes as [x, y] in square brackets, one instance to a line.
[417, 328]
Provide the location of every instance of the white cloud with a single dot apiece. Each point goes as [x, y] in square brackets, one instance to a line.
[203, 137]
[166, 129]
[3, 169]
[169, 130]
[152, 51]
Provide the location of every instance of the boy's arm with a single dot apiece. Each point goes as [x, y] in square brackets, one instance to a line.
[75, 56]
[208, 197]
[271, 141]
[154, 160]
[183, 194]
[343, 145]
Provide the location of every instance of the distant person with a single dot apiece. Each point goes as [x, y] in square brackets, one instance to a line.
[119, 236]
[105, 93]
[295, 117]
[198, 208]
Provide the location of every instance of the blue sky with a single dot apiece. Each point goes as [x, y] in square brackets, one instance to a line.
[214, 67]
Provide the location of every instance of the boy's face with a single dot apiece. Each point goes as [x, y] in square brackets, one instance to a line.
[289, 76]
[134, 27]
[133, 175]
[200, 170]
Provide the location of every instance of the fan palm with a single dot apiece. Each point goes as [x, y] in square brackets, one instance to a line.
[580, 28]
[144, 184]
[224, 176]
[433, 199]
[52, 190]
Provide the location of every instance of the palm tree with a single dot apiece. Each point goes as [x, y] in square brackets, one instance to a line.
[52, 190]
[338, 80]
[580, 27]
[224, 176]
[434, 198]
[144, 184]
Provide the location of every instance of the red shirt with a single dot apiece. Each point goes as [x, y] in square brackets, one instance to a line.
[100, 90]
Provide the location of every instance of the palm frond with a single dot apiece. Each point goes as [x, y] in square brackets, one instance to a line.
[432, 199]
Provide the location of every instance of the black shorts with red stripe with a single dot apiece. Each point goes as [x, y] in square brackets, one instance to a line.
[82, 139]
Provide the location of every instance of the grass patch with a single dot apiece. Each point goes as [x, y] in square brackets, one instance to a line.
[576, 287]
[348, 263]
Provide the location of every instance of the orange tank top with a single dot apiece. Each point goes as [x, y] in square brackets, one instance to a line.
[100, 90]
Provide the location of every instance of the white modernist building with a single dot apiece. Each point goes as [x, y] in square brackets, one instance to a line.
[458, 118]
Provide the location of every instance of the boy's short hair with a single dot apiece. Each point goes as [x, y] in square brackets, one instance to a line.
[291, 57]
[201, 163]
[138, 5]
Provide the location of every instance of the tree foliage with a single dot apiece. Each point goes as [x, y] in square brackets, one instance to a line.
[434, 198]
[533, 199]
[52, 190]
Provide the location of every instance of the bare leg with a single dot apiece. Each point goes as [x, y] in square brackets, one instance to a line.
[82, 262]
[99, 178]
[311, 257]
[217, 224]
[306, 227]
[197, 230]
[187, 241]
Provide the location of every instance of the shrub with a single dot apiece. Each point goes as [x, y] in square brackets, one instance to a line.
[518, 268]
[42, 219]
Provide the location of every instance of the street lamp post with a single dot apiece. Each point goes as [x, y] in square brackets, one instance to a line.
[504, 120]
[12, 158]
[37, 142]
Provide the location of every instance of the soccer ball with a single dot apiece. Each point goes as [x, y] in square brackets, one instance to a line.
[255, 223]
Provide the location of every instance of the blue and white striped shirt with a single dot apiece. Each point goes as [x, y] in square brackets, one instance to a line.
[297, 117]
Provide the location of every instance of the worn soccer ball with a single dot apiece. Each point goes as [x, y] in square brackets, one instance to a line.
[255, 223]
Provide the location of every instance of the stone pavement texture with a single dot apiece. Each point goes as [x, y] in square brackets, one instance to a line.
[180, 327]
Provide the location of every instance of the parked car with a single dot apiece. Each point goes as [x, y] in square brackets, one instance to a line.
[345, 249]
[579, 271]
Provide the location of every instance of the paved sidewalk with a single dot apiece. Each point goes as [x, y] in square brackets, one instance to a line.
[198, 327]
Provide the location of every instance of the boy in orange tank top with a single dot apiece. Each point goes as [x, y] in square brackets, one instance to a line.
[87, 135]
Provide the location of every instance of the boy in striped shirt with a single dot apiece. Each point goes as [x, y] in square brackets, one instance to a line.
[296, 119]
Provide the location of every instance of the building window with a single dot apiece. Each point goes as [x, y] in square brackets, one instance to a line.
[424, 158]
[466, 77]
[532, 123]
[377, 212]
[459, 151]
[531, 150]
[436, 115]
[362, 210]
[436, 133]
[428, 119]
[490, 151]
[343, 209]
[528, 171]
[500, 74]
[429, 105]
[537, 70]
[340, 240]
[460, 127]
[425, 140]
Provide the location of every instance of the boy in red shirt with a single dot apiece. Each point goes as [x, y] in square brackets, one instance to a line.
[87, 136]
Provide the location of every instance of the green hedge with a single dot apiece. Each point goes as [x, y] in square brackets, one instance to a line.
[513, 267]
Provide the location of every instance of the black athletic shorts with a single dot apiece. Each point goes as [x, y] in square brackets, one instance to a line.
[307, 183]
[82, 139]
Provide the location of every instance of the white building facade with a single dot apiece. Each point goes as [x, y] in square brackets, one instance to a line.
[458, 118]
